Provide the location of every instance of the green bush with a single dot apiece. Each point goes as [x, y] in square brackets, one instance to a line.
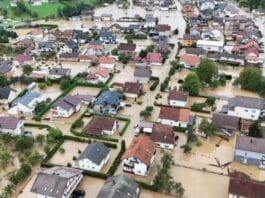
[155, 83]
[125, 127]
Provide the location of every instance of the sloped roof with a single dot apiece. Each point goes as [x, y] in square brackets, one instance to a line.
[177, 114]
[250, 144]
[98, 124]
[178, 95]
[162, 133]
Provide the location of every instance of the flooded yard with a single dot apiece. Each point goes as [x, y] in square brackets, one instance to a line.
[36, 131]
[85, 90]
[51, 92]
[125, 74]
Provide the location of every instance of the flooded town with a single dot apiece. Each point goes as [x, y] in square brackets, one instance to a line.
[132, 98]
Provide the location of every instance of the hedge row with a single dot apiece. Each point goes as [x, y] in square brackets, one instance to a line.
[40, 126]
[155, 83]
[109, 79]
[51, 153]
[180, 129]
[124, 129]
[147, 186]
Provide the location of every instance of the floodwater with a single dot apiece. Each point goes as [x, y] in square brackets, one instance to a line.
[85, 91]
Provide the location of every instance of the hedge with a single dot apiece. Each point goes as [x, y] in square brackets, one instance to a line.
[125, 127]
[53, 151]
[40, 126]
[95, 174]
[180, 129]
[155, 83]
[109, 79]
[147, 186]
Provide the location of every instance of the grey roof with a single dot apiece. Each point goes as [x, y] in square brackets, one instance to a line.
[28, 97]
[224, 121]
[109, 97]
[143, 72]
[4, 92]
[105, 34]
[250, 144]
[247, 102]
[46, 45]
[96, 42]
[5, 67]
[95, 152]
[60, 71]
[7, 122]
[54, 181]
[67, 102]
[71, 44]
[119, 187]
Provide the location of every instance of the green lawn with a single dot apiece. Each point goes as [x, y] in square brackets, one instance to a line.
[46, 9]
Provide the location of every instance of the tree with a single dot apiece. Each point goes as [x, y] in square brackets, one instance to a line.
[64, 84]
[207, 128]
[207, 71]
[34, 158]
[145, 114]
[244, 3]
[3, 81]
[192, 84]
[40, 139]
[54, 134]
[250, 79]
[114, 52]
[143, 53]
[27, 69]
[5, 158]
[124, 58]
[42, 85]
[23, 143]
[255, 130]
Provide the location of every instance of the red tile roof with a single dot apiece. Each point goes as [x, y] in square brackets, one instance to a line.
[163, 133]
[178, 95]
[106, 60]
[141, 148]
[154, 57]
[191, 60]
[132, 87]
[98, 124]
[162, 27]
[176, 114]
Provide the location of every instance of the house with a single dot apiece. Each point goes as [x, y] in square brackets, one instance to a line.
[107, 37]
[11, 125]
[6, 69]
[119, 186]
[241, 185]
[85, 98]
[142, 74]
[23, 59]
[139, 158]
[36, 33]
[66, 106]
[58, 73]
[81, 37]
[71, 57]
[95, 48]
[252, 55]
[106, 62]
[163, 136]
[56, 182]
[163, 29]
[101, 126]
[245, 107]
[7, 95]
[178, 117]
[127, 48]
[144, 127]
[178, 98]
[87, 15]
[205, 5]
[154, 58]
[46, 46]
[250, 150]
[232, 59]
[26, 104]
[132, 28]
[211, 46]
[226, 124]
[195, 51]
[189, 40]
[116, 28]
[25, 43]
[189, 61]
[100, 75]
[132, 89]
[94, 157]
[150, 21]
[106, 17]
[69, 47]
[108, 102]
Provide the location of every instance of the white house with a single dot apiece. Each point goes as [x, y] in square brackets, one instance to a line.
[245, 107]
[106, 62]
[163, 136]
[66, 106]
[26, 104]
[250, 151]
[94, 157]
[140, 156]
[206, 5]
[7, 95]
[59, 72]
[178, 117]
[211, 46]
[101, 126]
[144, 127]
[11, 125]
[178, 98]
[56, 182]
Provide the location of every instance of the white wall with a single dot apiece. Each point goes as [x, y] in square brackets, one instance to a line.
[172, 122]
[245, 113]
[177, 103]
[86, 164]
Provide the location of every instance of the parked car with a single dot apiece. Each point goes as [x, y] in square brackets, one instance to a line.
[28, 133]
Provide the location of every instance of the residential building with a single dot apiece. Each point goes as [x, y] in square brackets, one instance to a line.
[178, 98]
[178, 117]
[6, 69]
[107, 37]
[108, 102]
[100, 75]
[66, 106]
[11, 125]
[132, 89]
[119, 186]
[163, 136]
[189, 40]
[154, 58]
[95, 48]
[56, 182]
[101, 126]
[250, 150]
[226, 124]
[189, 61]
[211, 46]
[7, 95]
[26, 104]
[142, 74]
[94, 157]
[23, 59]
[71, 57]
[140, 156]
[58, 73]
[163, 29]
[106, 62]
[127, 48]
[245, 107]
[144, 127]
